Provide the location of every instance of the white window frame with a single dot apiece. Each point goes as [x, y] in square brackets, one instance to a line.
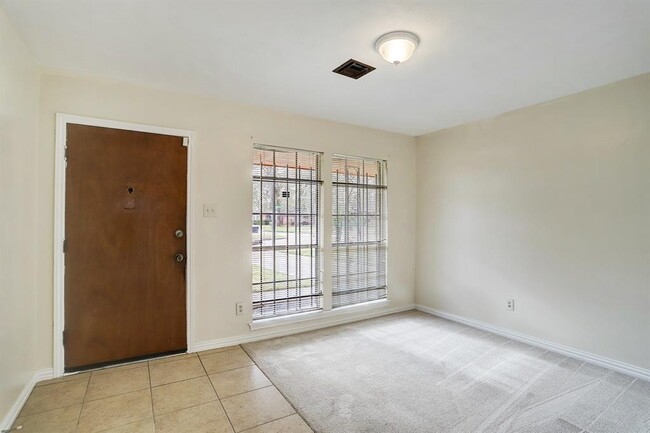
[318, 265]
[381, 209]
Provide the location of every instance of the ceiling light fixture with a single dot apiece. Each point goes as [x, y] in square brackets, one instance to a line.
[397, 47]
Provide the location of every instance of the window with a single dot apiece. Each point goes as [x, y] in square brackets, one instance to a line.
[286, 232]
[358, 230]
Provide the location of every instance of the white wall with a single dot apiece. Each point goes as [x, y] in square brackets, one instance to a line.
[549, 205]
[224, 136]
[19, 87]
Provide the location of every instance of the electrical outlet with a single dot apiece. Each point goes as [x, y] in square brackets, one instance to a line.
[239, 308]
[209, 210]
[510, 304]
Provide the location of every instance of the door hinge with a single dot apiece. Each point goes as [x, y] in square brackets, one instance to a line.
[65, 152]
[63, 338]
[65, 245]
[186, 141]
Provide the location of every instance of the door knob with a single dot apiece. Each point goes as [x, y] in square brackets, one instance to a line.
[179, 233]
[179, 257]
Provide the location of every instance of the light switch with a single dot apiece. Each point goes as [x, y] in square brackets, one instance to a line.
[209, 210]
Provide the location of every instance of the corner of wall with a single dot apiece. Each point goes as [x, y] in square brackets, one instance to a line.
[19, 105]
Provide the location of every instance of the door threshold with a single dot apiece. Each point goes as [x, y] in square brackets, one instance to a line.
[120, 362]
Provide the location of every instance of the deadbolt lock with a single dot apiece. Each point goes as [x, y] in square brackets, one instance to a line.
[179, 233]
[179, 257]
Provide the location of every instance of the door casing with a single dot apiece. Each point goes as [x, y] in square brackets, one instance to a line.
[62, 121]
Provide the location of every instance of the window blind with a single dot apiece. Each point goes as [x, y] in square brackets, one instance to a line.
[359, 239]
[285, 231]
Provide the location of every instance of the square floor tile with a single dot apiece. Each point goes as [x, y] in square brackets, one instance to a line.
[48, 397]
[226, 360]
[219, 350]
[181, 395]
[205, 418]
[116, 368]
[175, 371]
[115, 411]
[178, 357]
[239, 380]
[68, 378]
[62, 420]
[119, 382]
[290, 424]
[143, 426]
[256, 407]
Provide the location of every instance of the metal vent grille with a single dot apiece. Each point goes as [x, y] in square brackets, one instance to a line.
[354, 69]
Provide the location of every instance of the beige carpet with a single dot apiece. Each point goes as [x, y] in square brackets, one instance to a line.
[412, 372]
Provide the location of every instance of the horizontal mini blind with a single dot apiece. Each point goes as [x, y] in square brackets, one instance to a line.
[358, 230]
[285, 232]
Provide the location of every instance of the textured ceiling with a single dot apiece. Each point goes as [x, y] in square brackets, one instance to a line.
[476, 59]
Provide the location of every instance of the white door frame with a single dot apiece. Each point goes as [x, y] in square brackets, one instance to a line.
[62, 121]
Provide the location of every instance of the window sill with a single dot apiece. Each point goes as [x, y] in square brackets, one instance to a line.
[316, 315]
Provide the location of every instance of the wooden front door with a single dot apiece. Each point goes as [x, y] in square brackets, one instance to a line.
[125, 200]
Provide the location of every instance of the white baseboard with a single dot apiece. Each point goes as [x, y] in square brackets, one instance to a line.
[602, 361]
[296, 328]
[38, 376]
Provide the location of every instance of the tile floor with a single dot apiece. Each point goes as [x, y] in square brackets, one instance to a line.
[218, 391]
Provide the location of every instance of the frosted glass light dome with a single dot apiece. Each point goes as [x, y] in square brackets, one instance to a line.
[397, 47]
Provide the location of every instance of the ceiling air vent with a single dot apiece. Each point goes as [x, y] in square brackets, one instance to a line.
[354, 69]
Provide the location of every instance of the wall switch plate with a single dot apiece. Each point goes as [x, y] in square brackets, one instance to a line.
[239, 308]
[209, 210]
[510, 304]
